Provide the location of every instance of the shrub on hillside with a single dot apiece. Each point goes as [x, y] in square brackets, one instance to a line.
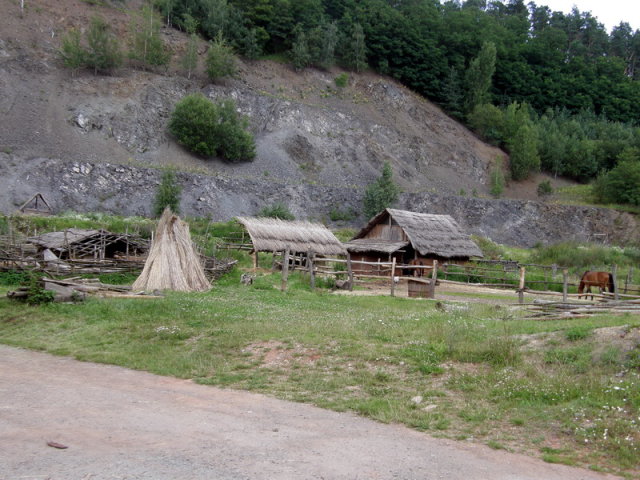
[277, 210]
[211, 129]
[220, 61]
[101, 53]
[620, 185]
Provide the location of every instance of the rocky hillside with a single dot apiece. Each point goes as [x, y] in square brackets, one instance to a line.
[96, 142]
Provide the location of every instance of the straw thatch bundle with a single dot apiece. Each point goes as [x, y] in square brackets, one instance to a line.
[172, 263]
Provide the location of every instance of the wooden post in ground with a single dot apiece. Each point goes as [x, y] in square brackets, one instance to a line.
[434, 279]
[285, 270]
[614, 276]
[565, 284]
[350, 272]
[312, 273]
[393, 274]
[521, 286]
[254, 255]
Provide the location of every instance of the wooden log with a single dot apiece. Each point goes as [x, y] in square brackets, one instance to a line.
[285, 271]
[312, 274]
[350, 271]
[393, 280]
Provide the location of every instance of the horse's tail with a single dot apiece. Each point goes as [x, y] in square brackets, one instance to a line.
[612, 285]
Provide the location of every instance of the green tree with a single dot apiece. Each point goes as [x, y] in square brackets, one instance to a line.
[167, 194]
[189, 60]
[497, 178]
[211, 129]
[221, 61]
[356, 54]
[478, 76]
[523, 150]
[71, 52]
[103, 53]
[300, 56]
[147, 47]
[381, 194]
[622, 183]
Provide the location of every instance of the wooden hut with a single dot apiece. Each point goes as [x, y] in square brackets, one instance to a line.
[275, 235]
[90, 244]
[408, 236]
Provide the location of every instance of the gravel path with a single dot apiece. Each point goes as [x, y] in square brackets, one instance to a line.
[125, 424]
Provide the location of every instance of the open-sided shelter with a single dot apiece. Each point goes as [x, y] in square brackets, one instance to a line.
[407, 236]
[95, 244]
[36, 205]
[275, 235]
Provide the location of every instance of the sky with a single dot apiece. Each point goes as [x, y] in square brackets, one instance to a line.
[608, 12]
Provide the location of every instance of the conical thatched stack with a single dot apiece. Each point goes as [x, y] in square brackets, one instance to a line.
[172, 264]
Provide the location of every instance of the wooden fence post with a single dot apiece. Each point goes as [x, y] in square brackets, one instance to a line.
[312, 273]
[350, 272]
[614, 274]
[255, 260]
[393, 274]
[565, 284]
[285, 270]
[521, 286]
[434, 279]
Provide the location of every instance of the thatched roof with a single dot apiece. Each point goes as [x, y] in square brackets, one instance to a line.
[429, 234]
[275, 235]
[173, 263]
[374, 245]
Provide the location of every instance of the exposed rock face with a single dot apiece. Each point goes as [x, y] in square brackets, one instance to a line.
[129, 190]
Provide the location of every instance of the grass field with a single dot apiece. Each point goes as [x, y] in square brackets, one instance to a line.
[474, 372]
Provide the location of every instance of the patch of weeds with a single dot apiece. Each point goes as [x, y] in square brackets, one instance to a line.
[517, 422]
[342, 80]
[579, 332]
[579, 358]
[611, 356]
[496, 445]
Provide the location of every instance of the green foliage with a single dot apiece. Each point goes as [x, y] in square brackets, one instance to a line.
[103, 50]
[356, 52]
[381, 194]
[277, 210]
[488, 121]
[209, 129]
[497, 178]
[523, 149]
[490, 249]
[300, 56]
[189, 60]
[220, 61]
[478, 77]
[71, 52]
[167, 194]
[342, 80]
[620, 185]
[37, 295]
[147, 47]
[544, 188]
[14, 278]
[338, 215]
[581, 257]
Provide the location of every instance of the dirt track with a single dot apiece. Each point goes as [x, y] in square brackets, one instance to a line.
[124, 424]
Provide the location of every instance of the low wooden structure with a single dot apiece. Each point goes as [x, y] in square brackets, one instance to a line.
[36, 205]
[410, 237]
[76, 243]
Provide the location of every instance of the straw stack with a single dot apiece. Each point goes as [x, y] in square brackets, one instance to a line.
[172, 263]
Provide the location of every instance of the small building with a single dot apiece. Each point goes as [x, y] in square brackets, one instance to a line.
[90, 244]
[408, 236]
[275, 235]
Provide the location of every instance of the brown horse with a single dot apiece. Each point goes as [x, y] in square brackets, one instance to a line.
[602, 280]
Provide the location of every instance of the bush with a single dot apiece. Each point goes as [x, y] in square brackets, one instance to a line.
[497, 178]
[544, 188]
[210, 129]
[620, 185]
[168, 194]
[220, 62]
[342, 80]
[277, 210]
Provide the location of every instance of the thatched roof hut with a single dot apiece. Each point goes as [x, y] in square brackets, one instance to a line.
[84, 243]
[275, 235]
[173, 263]
[36, 205]
[423, 234]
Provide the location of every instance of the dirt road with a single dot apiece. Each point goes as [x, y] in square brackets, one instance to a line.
[124, 424]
